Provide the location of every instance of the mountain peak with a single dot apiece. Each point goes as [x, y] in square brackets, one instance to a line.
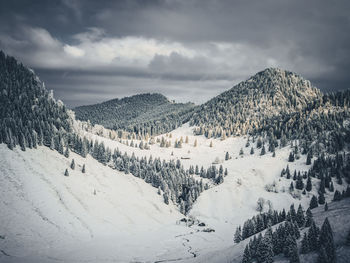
[265, 95]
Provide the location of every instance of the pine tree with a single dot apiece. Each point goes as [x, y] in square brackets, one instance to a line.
[294, 257]
[337, 196]
[238, 235]
[247, 258]
[305, 244]
[289, 245]
[309, 218]
[227, 156]
[300, 218]
[308, 184]
[83, 170]
[263, 151]
[66, 153]
[313, 236]
[299, 183]
[326, 243]
[66, 173]
[308, 158]
[326, 207]
[313, 202]
[321, 199]
[72, 165]
[264, 253]
[291, 157]
[252, 150]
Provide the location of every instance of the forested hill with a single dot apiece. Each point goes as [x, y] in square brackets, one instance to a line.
[29, 116]
[143, 113]
[245, 107]
[278, 104]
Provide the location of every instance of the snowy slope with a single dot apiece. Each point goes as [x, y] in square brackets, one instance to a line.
[227, 205]
[338, 215]
[50, 217]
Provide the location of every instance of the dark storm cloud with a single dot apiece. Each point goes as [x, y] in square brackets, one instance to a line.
[91, 51]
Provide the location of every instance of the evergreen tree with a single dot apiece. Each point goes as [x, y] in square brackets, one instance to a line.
[321, 199]
[264, 253]
[227, 156]
[305, 244]
[308, 184]
[66, 173]
[312, 235]
[326, 243]
[308, 158]
[313, 202]
[289, 245]
[337, 196]
[247, 258]
[294, 257]
[83, 170]
[300, 218]
[252, 150]
[291, 157]
[299, 183]
[263, 151]
[309, 218]
[238, 235]
[66, 153]
[326, 207]
[72, 165]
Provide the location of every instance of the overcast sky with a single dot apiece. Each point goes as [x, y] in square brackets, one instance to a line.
[92, 51]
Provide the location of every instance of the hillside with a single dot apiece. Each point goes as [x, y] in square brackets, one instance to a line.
[277, 103]
[144, 113]
[338, 215]
[47, 216]
[29, 115]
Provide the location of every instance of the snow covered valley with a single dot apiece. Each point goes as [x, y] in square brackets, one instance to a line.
[105, 215]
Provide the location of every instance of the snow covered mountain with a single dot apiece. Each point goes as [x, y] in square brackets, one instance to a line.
[144, 113]
[271, 99]
[74, 194]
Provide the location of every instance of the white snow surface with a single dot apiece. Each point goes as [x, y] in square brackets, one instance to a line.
[47, 217]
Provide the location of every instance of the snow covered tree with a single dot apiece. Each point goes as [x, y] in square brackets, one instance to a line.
[247, 258]
[238, 235]
[264, 253]
[66, 173]
[260, 204]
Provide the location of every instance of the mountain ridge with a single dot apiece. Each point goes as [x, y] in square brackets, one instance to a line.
[150, 113]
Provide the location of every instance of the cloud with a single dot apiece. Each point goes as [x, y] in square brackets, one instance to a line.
[186, 45]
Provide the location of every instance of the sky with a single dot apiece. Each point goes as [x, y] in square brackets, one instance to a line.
[190, 50]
